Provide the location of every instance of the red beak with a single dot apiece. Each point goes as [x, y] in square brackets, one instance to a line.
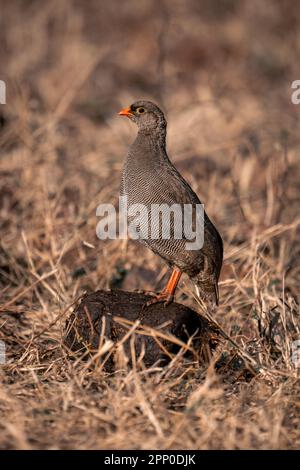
[125, 112]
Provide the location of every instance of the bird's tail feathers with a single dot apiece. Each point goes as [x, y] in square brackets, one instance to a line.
[208, 298]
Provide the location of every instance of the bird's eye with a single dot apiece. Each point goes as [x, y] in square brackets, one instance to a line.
[140, 110]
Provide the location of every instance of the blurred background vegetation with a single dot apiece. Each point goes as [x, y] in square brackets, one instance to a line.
[222, 72]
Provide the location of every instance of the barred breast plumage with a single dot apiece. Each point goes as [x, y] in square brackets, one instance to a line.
[149, 178]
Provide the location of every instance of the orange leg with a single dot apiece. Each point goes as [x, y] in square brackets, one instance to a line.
[167, 295]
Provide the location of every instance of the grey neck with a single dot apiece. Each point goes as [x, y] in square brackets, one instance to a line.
[156, 136]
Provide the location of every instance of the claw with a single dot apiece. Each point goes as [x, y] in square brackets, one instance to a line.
[165, 297]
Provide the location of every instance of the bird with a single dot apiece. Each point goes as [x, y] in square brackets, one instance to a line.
[149, 177]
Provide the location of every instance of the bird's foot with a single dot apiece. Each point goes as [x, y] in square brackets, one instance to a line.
[164, 297]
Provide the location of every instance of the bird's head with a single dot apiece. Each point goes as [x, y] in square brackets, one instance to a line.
[146, 115]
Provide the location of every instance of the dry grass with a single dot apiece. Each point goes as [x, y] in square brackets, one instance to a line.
[223, 75]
